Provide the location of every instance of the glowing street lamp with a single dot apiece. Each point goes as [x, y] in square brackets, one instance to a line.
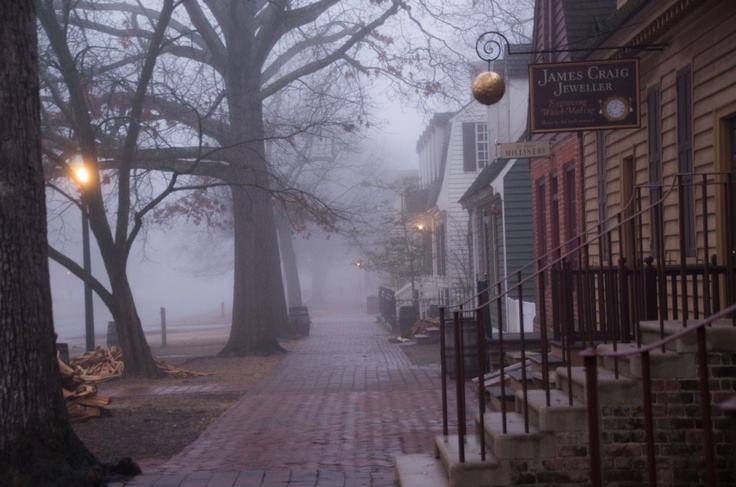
[82, 177]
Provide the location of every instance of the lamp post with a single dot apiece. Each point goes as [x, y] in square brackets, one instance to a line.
[82, 176]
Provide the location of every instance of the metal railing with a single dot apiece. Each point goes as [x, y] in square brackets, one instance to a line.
[602, 302]
[592, 356]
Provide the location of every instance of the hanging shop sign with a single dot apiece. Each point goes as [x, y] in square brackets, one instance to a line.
[523, 150]
[595, 95]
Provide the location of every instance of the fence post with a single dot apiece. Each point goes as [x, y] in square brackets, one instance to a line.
[624, 305]
[163, 327]
[650, 290]
[594, 439]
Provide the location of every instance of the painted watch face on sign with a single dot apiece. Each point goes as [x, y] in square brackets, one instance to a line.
[615, 108]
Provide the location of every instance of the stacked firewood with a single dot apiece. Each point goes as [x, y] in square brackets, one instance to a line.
[82, 400]
[99, 365]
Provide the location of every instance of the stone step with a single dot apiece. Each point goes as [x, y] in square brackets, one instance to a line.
[420, 471]
[556, 349]
[539, 379]
[721, 335]
[497, 398]
[473, 472]
[553, 361]
[662, 365]
[611, 391]
[493, 378]
[518, 442]
[558, 416]
[514, 357]
[516, 378]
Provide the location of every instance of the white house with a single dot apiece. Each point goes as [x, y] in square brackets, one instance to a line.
[454, 150]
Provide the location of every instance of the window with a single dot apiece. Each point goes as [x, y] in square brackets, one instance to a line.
[683, 84]
[475, 146]
[481, 144]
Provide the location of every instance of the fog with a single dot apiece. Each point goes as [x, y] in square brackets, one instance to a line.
[163, 274]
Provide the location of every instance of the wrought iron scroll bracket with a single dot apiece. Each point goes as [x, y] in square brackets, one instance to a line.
[490, 45]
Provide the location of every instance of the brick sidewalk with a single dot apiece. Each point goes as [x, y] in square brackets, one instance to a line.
[335, 412]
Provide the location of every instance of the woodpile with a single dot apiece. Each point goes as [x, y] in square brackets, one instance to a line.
[82, 400]
[420, 327]
[102, 364]
[99, 365]
[105, 364]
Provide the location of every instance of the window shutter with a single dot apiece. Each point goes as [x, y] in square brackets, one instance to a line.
[683, 84]
[654, 129]
[469, 155]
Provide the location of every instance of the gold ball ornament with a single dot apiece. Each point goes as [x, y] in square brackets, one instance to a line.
[488, 88]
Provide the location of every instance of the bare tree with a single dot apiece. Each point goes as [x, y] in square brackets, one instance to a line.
[392, 245]
[245, 53]
[78, 110]
[37, 443]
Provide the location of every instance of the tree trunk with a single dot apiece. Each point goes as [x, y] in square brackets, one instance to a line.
[37, 443]
[289, 264]
[137, 357]
[318, 279]
[254, 314]
[259, 303]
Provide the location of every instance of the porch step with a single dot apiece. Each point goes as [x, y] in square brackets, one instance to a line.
[611, 391]
[556, 349]
[721, 335]
[553, 361]
[516, 443]
[420, 471]
[474, 472]
[516, 378]
[539, 379]
[662, 365]
[497, 398]
[558, 416]
[515, 356]
[493, 378]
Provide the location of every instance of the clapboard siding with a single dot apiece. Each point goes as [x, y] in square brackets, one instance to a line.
[707, 42]
[456, 182]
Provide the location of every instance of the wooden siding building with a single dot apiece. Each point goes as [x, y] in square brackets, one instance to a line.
[688, 106]
[499, 202]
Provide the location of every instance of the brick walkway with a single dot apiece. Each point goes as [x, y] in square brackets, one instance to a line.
[335, 412]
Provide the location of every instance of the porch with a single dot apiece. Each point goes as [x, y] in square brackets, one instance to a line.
[632, 380]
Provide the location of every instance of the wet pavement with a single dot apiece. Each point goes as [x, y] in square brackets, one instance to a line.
[335, 412]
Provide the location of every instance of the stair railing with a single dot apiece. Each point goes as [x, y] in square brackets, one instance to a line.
[592, 356]
[587, 281]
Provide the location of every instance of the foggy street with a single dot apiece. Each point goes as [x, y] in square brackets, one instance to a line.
[335, 412]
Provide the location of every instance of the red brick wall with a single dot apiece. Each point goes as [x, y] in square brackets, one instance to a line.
[565, 150]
